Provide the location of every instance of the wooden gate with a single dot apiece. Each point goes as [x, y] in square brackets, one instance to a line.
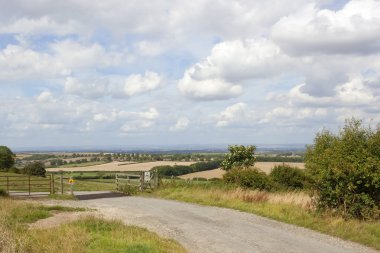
[140, 179]
[26, 185]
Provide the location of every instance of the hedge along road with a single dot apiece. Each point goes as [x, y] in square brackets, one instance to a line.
[211, 229]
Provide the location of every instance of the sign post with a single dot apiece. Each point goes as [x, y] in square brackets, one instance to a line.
[71, 182]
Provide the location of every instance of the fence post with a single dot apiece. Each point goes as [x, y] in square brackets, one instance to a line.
[61, 183]
[117, 182]
[141, 180]
[8, 185]
[156, 180]
[29, 184]
[52, 186]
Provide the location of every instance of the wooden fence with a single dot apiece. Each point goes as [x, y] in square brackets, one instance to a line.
[141, 179]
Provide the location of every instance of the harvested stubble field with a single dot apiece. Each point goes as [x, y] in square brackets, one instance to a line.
[218, 173]
[120, 166]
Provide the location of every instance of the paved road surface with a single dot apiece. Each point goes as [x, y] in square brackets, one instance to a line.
[211, 229]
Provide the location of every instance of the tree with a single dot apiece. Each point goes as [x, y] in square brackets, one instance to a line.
[7, 159]
[345, 170]
[240, 157]
[35, 169]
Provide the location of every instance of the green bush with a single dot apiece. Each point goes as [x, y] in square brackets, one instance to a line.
[248, 178]
[129, 190]
[288, 177]
[345, 170]
[35, 169]
[199, 179]
[3, 193]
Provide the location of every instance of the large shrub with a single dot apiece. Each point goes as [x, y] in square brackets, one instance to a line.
[288, 177]
[6, 158]
[248, 178]
[35, 169]
[345, 170]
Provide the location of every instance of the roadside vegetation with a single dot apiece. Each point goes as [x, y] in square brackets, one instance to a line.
[338, 193]
[293, 207]
[86, 235]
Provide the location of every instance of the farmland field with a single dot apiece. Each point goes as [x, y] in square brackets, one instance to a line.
[218, 173]
[120, 166]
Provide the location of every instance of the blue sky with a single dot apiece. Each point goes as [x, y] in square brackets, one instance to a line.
[100, 73]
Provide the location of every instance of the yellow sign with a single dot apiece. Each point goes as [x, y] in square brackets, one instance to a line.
[71, 181]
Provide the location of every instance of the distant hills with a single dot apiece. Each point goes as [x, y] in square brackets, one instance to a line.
[189, 148]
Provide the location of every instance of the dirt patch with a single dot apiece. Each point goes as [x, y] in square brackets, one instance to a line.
[60, 218]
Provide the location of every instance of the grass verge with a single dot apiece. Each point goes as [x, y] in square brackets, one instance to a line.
[87, 235]
[289, 207]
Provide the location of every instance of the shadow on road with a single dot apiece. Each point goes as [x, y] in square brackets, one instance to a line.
[99, 195]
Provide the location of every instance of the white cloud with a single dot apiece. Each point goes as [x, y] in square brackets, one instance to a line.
[45, 96]
[75, 55]
[148, 48]
[209, 89]
[114, 86]
[241, 59]
[62, 59]
[136, 84]
[232, 114]
[354, 98]
[181, 124]
[136, 126]
[41, 25]
[231, 62]
[151, 114]
[69, 63]
[92, 88]
[18, 62]
[71, 114]
[354, 92]
[351, 30]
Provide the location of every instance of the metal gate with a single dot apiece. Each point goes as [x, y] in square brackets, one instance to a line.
[26, 185]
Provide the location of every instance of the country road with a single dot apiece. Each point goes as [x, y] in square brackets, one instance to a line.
[210, 229]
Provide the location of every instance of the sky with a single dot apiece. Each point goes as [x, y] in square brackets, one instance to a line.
[171, 72]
